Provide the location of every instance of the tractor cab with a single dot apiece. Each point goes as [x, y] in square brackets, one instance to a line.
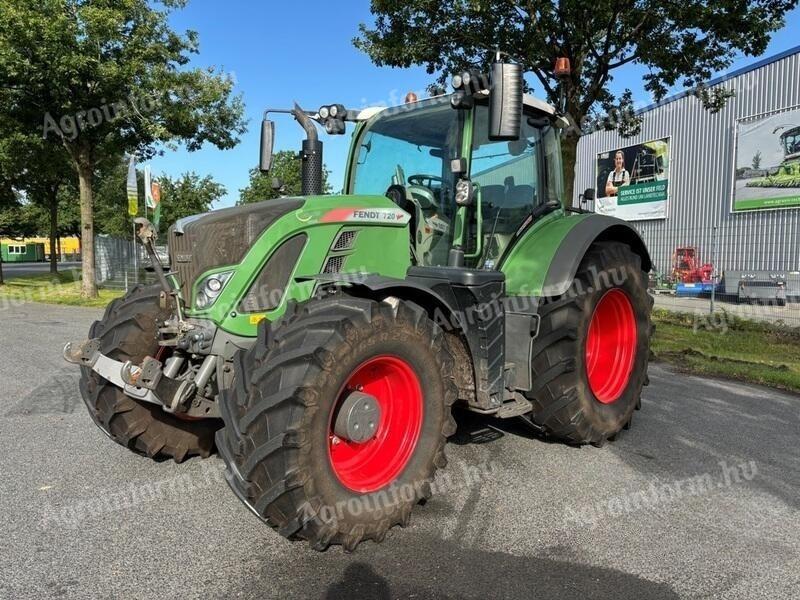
[790, 141]
[420, 154]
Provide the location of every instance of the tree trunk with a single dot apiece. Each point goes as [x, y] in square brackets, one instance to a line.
[85, 174]
[569, 154]
[54, 232]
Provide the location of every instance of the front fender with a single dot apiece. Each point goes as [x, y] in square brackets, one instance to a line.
[545, 259]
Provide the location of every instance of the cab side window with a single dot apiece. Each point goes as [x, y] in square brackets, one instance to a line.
[507, 174]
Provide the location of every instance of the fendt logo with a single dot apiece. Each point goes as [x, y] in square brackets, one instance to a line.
[368, 215]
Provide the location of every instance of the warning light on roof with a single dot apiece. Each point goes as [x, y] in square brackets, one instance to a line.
[562, 68]
[411, 97]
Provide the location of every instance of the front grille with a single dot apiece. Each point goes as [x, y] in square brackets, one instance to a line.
[334, 264]
[221, 237]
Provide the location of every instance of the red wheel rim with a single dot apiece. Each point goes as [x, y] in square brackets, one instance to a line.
[371, 465]
[611, 346]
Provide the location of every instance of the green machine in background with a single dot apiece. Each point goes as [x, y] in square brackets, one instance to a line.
[787, 175]
[319, 343]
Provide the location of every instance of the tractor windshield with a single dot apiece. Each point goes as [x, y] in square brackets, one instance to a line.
[791, 141]
[412, 146]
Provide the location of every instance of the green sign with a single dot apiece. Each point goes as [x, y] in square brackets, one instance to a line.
[767, 162]
[638, 193]
[633, 181]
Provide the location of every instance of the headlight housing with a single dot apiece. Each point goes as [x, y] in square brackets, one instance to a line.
[209, 289]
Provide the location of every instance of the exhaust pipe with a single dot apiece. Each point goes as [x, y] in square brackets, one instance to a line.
[311, 155]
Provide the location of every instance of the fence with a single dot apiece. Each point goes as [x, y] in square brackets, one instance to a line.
[121, 264]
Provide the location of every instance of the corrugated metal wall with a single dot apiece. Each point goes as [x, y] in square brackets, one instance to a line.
[701, 177]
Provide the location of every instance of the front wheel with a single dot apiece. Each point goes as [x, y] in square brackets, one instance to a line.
[336, 419]
[590, 358]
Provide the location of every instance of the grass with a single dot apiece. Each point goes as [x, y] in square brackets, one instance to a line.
[729, 347]
[62, 288]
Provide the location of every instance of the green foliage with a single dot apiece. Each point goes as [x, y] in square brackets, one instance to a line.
[286, 167]
[110, 77]
[105, 79]
[679, 43]
[757, 160]
[187, 195]
[20, 220]
[184, 196]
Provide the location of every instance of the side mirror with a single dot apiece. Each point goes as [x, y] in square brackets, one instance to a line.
[267, 143]
[589, 195]
[505, 102]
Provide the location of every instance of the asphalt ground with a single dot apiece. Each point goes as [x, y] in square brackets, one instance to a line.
[12, 270]
[698, 500]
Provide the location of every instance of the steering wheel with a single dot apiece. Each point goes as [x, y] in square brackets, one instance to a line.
[419, 179]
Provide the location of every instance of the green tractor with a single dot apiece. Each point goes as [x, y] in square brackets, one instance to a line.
[320, 343]
[787, 174]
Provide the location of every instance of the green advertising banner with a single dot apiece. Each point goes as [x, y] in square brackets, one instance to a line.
[767, 162]
[643, 192]
[633, 181]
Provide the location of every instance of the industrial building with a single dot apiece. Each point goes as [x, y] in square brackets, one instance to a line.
[725, 183]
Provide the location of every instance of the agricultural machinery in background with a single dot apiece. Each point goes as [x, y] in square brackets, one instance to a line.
[787, 175]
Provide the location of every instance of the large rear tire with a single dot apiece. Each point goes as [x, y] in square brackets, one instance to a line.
[285, 461]
[127, 331]
[590, 358]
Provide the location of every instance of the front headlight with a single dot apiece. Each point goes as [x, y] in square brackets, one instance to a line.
[210, 288]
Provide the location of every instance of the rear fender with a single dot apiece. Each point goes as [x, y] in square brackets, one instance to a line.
[544, 260]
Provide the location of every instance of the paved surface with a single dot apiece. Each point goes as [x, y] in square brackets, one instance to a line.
[11, 270]
[82, 517]
[786, 315]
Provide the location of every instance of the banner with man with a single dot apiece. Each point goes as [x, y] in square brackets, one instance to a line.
[633, 181]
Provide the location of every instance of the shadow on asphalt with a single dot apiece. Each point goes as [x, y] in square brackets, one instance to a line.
[434, 568]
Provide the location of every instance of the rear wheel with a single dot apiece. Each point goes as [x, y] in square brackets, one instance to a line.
[590, 358]
[128, 332]
[336, 419]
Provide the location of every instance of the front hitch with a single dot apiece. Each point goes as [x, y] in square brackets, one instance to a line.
[148, 381]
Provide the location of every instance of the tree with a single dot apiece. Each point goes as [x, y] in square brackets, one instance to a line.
[286, 167]
[757, 160]
[186, 195]
[677, 42]
[40, 169]
[108, 78]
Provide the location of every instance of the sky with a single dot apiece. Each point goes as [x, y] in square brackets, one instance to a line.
[282, 52]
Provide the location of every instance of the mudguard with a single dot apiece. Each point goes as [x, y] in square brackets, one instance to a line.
[545, 258]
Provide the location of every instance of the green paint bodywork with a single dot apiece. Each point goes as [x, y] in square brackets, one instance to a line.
[528, 260]
[380, 248]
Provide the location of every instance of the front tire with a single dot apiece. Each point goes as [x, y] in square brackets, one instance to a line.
[127, 331]
[284, 461]
[590, 358]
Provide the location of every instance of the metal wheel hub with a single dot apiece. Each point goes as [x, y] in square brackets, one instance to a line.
[358, 418]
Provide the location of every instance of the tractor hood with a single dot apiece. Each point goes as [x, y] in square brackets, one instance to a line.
[224, 237]
[221, 237]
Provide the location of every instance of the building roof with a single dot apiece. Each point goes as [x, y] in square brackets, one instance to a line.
[723, 78]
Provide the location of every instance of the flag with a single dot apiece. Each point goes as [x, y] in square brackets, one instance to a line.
[148, 191]
[155, 196]
[132, 188]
